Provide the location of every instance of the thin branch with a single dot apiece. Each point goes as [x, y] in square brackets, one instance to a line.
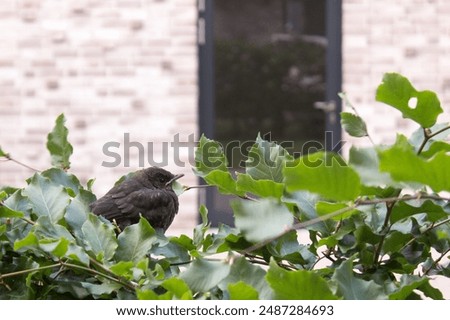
[18, 273]
[28, 221]
[9, 158]
[439, 131]
[186, 188]
[390, 201]
[435, 262]
[434, 225]
[128, 285]
[259, 260]
[428, 135]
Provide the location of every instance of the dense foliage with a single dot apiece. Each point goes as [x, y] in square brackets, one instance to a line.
[378, 224]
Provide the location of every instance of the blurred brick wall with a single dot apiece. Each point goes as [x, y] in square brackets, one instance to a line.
[113, 67]
[117, 66]
[411, 37]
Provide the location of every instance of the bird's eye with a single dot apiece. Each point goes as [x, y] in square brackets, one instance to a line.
[162, 179]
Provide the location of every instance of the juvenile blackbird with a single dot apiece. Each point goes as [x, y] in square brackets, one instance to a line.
[148, 193]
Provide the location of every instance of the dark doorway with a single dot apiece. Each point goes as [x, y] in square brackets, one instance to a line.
[271, 67]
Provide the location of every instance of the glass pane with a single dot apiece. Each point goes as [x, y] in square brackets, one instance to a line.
[269, 72]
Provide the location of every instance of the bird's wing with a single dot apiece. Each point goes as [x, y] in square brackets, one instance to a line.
[144, 200]
[157, 206]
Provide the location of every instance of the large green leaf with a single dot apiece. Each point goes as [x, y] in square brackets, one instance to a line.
[297, 285]
[405, 165]
[422, 107]
[403, 210]
[46, 198]
[59, 176]
[224, 182]
[58, 145]
[353, 124]
[203, 275]
[266, 160]
[209, 157]
[264, 188]
[261, 220]
[353, 288]
[324, 173]
[77, 211]
[99, 238]
[135, 241]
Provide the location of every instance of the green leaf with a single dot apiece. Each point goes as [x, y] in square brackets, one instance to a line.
[324, 173]
[45, 228]
[46, 198]
[404, 209]
[209, 157]
[422, 107]
[435, 147]
[306, 204]
[78, 210]
[123, 269]
[407, 285]
[30, 241]
[325, 208]
[353, 124]
[200, 230]
[297, 285]
[6, 212]
[60, 177]
[99, 238]
[56, 247]
[202, 275]
[18, 202]
[261, 220]
[178, 288]
[404, 165]
[266, 160]
[430, 291]
[103, 289]
[244, 271]
[366, 164]
[58, 145]
[224, 181]
[242, 291]
[263, 188]
[135, 241]
[353, 288]
[147, 295]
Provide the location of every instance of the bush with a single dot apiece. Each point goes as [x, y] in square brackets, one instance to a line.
[380, 219]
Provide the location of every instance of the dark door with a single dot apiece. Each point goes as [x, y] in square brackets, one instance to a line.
[271, 67]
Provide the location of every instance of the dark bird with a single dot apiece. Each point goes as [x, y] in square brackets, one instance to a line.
[148, 193]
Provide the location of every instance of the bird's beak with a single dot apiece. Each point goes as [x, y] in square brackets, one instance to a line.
[178, 176]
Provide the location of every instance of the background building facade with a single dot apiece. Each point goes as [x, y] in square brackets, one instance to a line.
[126, 71]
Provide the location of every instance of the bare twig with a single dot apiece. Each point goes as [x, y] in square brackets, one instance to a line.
[9, 158]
